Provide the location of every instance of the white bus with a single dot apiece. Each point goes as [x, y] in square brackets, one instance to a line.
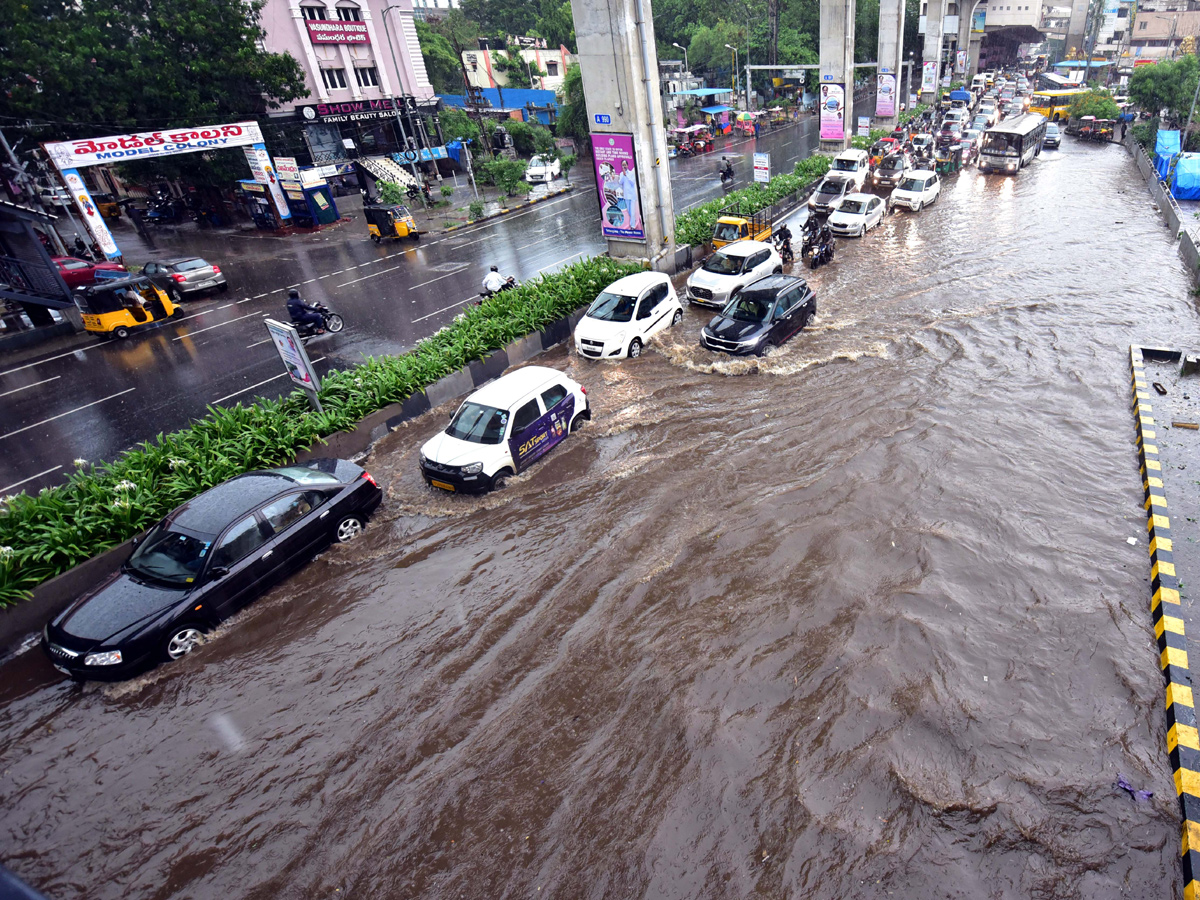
[1012, 144]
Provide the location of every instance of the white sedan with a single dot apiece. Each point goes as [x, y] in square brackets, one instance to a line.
[541, 170]
[626, 314]
[857, 215]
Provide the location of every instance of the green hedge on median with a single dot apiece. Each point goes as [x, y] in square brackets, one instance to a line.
[103, 504]
[695, 226]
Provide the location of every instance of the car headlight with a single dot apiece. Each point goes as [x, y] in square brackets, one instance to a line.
[472, 468]
[104, 658]
[424, 459]
[619, 337]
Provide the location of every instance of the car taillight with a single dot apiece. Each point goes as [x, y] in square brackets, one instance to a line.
[583, 389]
[179, 278]
[367, 475]
[216, 270]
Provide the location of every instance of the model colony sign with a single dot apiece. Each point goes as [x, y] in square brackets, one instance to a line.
[76, 154]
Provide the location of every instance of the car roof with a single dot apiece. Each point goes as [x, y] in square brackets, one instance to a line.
[634, 284]
[921, 173]
[509, 388]
[850, 154]
[775, 282]
[744, 248]
[175, 260]
[860, 196]
[227, 502]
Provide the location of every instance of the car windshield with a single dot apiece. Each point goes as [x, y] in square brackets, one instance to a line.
[721, 264]
[189, 264]
[845, 165]
[832, 186]
[725, 231]
[750, 306]
[169, 557]
[854, 207]
[912, 184]
[535, 162]
[303, 475]
[478, 424]
[612, 307]
[892, 162]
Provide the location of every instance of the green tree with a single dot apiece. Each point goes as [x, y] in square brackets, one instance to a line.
[567, 163]
[573, 116]
[1098, 103]
[390, 193]
[707, 50]
[441, 62]
[1168, 85]
[517, 72]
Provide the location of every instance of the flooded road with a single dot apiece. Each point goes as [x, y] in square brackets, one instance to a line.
[858, 619]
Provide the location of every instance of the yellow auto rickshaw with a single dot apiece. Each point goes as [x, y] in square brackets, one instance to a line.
[116, 307]
[106, 205]
[385, 221]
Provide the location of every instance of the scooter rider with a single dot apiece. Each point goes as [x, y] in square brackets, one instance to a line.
[304, 314]
[494, 282]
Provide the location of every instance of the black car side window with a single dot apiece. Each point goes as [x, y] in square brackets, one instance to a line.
[150, 269]
[242, 539]
[286, 511]
[526, 416]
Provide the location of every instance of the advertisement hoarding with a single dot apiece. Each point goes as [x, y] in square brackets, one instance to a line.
[929, 77]
[90, 214]
[885, 95]
[833, 111]
[291, 351]
[762, 167]
[979, 19]
[98, 151]
[615, 168]
[960, 62]
[333, 31]
[264, 173]
[287, 169]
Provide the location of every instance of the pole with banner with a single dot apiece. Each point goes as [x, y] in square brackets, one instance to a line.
[295, 359]
[92, 219]
[264, 173]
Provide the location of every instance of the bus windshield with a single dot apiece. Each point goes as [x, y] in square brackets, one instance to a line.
[997, 143]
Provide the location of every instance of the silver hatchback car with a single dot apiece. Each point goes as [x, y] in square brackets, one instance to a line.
[185, 275]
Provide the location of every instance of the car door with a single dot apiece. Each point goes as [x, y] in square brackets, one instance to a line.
[760, 264]
[76, 272]
[653, 312]
[527, 440]
[874, 212]
[559, 404]
[299, 528]
[241, 561]
[932, 188]
[780, 324]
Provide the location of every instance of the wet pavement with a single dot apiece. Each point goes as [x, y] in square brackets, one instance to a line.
[857, 619]
[88, 398]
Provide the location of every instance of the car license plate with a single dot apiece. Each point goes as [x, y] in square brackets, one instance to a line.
[442, 485]
[205, 284]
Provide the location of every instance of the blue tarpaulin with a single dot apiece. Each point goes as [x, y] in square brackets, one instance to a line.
[1166, 147]
[1186, 183]
[960, 94]
[703, 92]
[713, 110]
[1080, 64]
[510, 98]
[455, 148]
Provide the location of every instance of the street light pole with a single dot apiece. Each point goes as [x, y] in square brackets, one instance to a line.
[396, 68]
[736, 89]
[686, 67]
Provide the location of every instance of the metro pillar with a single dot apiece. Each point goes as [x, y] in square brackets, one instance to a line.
[891, 49]
[837, 67]
[619, 63]
[936, 13]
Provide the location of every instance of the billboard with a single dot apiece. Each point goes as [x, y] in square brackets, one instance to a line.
[91, 215]
[960, 62]
[615, 168]
[762, 168]
[979, 19]
[291, 351]
[264, 173]
[929, 77]
[98, 151]
[833, 112]
[322, 31]
[885, 95]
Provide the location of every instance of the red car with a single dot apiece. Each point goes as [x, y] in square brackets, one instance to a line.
[80, 272]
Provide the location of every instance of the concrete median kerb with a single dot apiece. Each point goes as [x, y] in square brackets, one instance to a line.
[511, 209]
[1183, 739]
[53, 596]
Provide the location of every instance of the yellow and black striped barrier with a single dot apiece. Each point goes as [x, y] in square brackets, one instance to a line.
[1183, 741]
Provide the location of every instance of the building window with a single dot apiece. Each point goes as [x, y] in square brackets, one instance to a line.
[349, 14]
[313, 13]
[334, 78]
[367, 76]
[1141, 26]
[551, 69]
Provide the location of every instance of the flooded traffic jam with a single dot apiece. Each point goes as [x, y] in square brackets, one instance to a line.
[856, 617]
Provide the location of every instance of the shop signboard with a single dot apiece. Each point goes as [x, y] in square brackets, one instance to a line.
[833, 110]
[287, 169]
[264, 173]
[885, 95]
[100, 151]
[356, 110]
[335, 31]
[617, 186]
[316, 177]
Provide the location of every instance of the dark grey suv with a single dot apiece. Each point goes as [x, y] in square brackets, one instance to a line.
[763, 314]
[185, 275]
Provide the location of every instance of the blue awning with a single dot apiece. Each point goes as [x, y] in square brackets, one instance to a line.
[713, 110]
[704, 92]
[1080, 64]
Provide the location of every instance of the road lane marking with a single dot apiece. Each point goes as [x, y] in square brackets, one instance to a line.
[260, 296]
[310, 281]
[257, 343]
[560, 262]
[226, 306]
[67, 413]
[5, 490]
[40, 361]
[261, 383]
[218, 325]
[28, 386]
[247, 300]
[372, 275]
[461, 268]
[444, 309]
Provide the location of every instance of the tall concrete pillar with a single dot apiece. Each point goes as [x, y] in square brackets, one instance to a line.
[837, 69]
[619, 63]
[935, 12]
[967, 40]
[890, 56]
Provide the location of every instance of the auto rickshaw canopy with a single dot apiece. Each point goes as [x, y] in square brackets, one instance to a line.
[107, 296]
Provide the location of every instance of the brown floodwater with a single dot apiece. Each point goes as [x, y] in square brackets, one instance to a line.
[857, 619]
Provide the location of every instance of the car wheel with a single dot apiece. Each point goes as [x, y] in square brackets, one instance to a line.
[121, 332]
[764, 348]
[576, 423]
[635, 348]
[920, 205]
[677, 318]
[334, 323]
[500, 479]
[862, 230]
[181, 640]
[376, 238]
[176, 296]
[348, 529]
[223, 288]
[779, 270]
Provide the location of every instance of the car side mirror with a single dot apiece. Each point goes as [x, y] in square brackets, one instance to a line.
[137, 540]
[218, 572]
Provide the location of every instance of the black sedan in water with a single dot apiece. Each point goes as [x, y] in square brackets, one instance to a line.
[206, 560]
[764, 314]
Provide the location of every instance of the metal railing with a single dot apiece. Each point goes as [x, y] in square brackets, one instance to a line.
[33, 277]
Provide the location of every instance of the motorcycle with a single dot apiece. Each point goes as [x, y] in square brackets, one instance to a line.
[809, 235]
[332, 323]
[784, 246]
[727, 173]
[509, 284]
[823, 250]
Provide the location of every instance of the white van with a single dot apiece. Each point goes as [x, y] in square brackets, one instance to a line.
[853, 166]
[502, 428]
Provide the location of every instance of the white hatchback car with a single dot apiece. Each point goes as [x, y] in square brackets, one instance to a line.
[857, 215]
[729, 269]
[502, 428]
[917, 190]
[626, 314]
[539, 170]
